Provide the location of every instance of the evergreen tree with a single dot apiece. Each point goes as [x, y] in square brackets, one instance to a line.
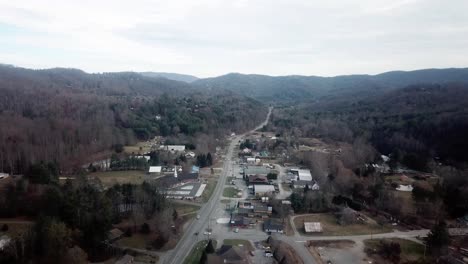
[438, 239]
[209, 159]
[209, 247]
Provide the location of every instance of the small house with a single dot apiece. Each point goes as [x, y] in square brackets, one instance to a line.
[273, 226]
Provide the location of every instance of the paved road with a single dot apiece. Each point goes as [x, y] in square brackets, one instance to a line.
[185, 244]
[213, 209]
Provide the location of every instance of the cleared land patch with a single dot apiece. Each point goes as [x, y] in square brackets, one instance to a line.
[331, 227]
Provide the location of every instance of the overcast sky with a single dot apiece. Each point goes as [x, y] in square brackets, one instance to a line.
[208, 37]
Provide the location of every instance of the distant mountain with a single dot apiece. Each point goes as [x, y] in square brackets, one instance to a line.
[171, 76]
[116, 83]
[67, 115]
[295, 87]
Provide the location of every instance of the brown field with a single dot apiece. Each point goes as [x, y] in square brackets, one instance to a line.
[331, 227]
[110, 178]
[135, 149]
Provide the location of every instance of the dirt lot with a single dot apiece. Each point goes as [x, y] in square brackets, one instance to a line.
[139, 148]
[337, 251]
[330, 226]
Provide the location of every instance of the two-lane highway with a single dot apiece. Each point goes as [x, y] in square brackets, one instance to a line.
[180, 252]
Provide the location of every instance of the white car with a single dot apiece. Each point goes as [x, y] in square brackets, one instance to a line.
[268, 254]
[207, 233]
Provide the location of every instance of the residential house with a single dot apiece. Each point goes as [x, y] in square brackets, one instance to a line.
[262, 211]
[245, 204]
[302, 184]
[273, 226]
[240, 221]
[230, 255]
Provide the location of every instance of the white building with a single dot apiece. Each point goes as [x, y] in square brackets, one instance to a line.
[302, 174]
[155, 169]
[260, 190]
[253, 161]
[312, 227]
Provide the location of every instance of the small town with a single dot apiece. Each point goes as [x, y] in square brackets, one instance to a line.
[234, 132]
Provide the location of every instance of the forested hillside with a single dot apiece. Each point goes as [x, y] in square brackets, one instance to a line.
[419, 122]
[171, 76]
[66, 115]
[287, 89]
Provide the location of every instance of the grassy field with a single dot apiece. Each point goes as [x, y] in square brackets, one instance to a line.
[239, 242]
[410, 251]
[230, 192]
[288, 229]
[135, 241]
[407, 202]
[210, 186]
[183, 209]
[110, 178]
[196, 252]
[15, 227]
[330, 226]
[139, 148]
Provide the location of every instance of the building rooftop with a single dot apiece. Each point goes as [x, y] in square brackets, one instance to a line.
[256, 170]
[313, 227]
[155, 169]
[263, 188]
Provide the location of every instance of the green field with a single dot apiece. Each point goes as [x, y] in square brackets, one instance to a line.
[210, 186]
[410, 250]
[110, 178]
[183, 209]
[137, 240]
[331, 227]
[230, 192]
[239, 242]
